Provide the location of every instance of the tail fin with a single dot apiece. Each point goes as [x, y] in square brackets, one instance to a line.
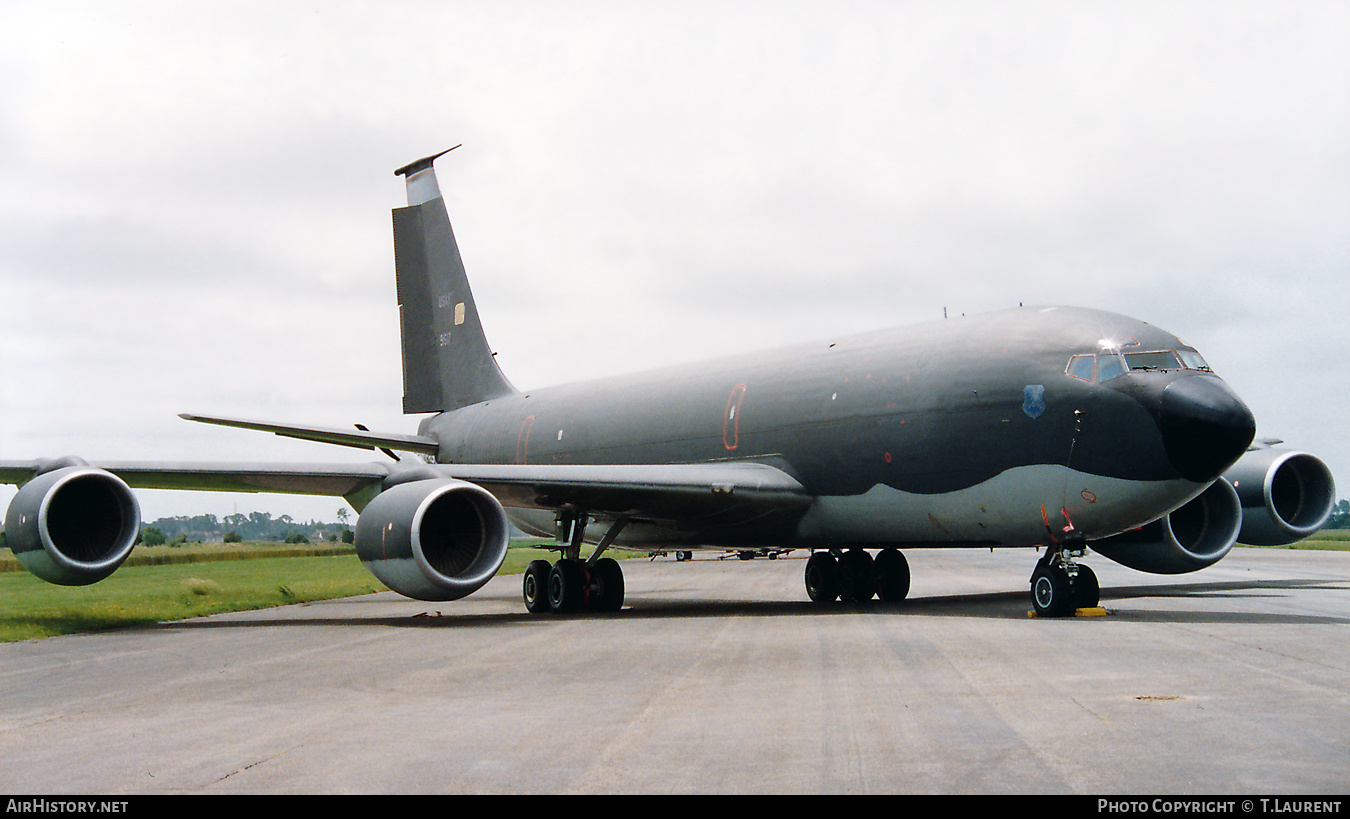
[446, 360]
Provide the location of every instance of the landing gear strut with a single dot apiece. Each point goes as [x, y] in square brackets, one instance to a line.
[1059, 586]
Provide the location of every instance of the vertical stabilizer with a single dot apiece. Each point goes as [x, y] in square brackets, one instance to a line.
[446, 360]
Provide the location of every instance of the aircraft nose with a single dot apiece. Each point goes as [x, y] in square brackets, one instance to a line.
[1205, 427]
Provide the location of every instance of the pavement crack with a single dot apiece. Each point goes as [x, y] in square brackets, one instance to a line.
[259, 762]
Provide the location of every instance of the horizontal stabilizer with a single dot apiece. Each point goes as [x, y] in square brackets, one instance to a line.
[360, 439]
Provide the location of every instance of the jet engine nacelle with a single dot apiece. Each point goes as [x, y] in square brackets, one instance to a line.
[433, 539]
[1286, 495]
[72, 524]
[1197, 535]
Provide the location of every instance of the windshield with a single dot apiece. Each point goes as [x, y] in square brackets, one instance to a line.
[1112, 363]
[1161, 360]
[1192, 360]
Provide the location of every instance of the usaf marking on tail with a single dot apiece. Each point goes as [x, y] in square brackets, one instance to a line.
[1058, 427]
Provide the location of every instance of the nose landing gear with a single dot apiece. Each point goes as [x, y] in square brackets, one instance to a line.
[1059, 586]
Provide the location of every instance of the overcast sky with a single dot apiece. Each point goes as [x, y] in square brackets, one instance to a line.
[194, 197]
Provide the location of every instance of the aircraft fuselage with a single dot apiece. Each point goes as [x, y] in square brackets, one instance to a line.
[968, 431]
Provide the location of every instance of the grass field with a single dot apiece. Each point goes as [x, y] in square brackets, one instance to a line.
[159, 584]
[162, 584]
[1328, 539]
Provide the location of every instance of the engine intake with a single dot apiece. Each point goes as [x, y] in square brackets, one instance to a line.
[1188, 539]
[73, 524]
[1285, 495]
[433, 539]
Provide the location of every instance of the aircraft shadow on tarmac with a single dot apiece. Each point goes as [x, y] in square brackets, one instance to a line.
[992, 605]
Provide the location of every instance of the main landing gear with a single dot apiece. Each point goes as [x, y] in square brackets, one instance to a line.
[1059, 586]
[571, 584]
[854, 576]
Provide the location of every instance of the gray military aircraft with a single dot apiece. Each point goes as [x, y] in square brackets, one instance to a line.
[1054, 427]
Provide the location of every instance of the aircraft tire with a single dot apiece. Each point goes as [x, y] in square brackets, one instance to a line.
[821, 571]
[607, 580]
[682, 556]
[566, 587]
[892, 575]
[1052, 592]
[1086, 590]
[857, 577]
[535, 586]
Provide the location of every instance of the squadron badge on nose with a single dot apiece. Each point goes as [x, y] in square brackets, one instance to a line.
[1033, 400]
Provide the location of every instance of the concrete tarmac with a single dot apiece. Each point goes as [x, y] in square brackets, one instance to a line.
[717, 677]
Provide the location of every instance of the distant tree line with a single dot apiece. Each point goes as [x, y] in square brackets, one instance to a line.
[1340, 516]
[236, 528]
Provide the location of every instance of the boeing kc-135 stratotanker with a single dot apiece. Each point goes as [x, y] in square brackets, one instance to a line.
[1056, 427]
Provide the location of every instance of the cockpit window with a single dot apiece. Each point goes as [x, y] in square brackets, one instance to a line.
[1083, 366]
[1110, 365]
[1192, 360]
[1157, 360]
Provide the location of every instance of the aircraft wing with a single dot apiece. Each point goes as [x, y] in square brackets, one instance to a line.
[296, 478]
[667, 492]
